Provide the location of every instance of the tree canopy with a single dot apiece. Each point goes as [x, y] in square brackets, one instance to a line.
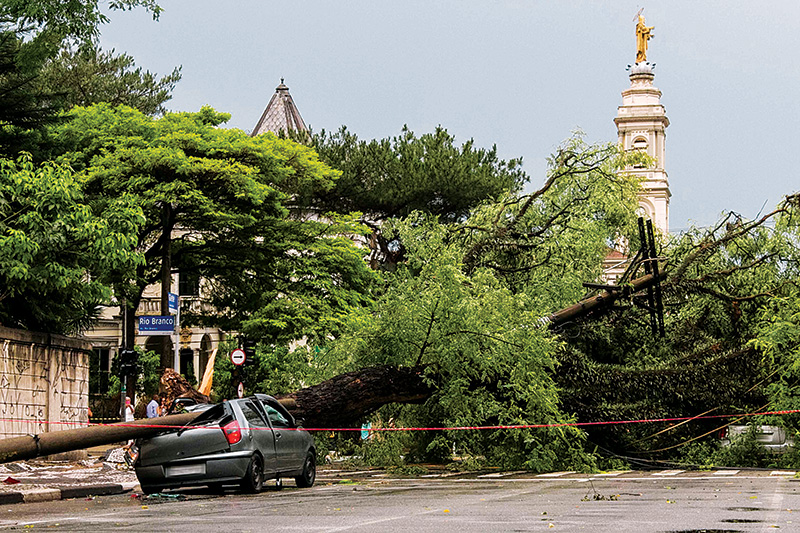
[57, 257]
[223, 206]
[86, 75]
[464, 303]
[730, 343]
[32, 32]
[393, 177]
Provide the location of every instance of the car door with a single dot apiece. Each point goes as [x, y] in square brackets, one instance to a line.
[289, 443]
[261, 436]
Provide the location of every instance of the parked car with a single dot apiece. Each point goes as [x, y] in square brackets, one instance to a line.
[242, 441]
[772, 438]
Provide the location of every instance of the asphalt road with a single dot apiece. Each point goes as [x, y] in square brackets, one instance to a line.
[636, 502]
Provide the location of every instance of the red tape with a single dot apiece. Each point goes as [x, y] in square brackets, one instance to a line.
[451, 428]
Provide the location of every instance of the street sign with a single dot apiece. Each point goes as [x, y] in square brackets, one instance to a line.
[238, 357]
[156, 325]
[173, 301]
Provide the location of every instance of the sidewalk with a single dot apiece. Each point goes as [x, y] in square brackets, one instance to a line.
[103, 473]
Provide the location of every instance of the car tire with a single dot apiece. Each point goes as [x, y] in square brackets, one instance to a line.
[147, 489]
[306, 479]
[254, 478]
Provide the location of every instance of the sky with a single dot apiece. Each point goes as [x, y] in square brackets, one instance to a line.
[519, 74]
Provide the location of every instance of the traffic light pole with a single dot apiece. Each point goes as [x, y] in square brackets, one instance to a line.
[122, 377]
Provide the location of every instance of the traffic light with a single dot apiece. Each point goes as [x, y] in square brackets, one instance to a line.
[249, 347]
[127, 361]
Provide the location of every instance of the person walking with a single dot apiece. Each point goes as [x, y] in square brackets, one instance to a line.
[154, 407]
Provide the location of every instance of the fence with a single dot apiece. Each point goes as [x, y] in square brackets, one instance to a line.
[44, 382]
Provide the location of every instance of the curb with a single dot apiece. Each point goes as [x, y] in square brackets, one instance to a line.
[63, 493]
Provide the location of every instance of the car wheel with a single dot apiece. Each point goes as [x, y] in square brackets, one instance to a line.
[306, 479]
[147, 489]
[254, 478]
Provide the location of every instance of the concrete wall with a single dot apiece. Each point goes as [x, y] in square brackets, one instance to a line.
[44, 382]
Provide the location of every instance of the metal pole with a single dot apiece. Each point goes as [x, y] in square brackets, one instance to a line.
[176, 359]
[122, 377]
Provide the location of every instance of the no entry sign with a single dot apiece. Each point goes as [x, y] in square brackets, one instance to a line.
[238, 357]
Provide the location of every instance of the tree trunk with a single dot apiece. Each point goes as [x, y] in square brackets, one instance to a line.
[346, 399]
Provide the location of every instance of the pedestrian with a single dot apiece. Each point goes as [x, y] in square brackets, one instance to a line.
[128, 417]
[128, 409]
[154, 407]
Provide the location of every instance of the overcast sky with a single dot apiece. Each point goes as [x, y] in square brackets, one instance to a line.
[521, 74]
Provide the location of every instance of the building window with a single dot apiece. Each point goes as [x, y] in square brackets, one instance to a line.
[98, 374]
[188, 284]
[639, 144]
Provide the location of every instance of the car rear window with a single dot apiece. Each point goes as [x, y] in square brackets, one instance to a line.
[213, 413]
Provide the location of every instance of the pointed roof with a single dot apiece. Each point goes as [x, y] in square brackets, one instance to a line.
[280, 114]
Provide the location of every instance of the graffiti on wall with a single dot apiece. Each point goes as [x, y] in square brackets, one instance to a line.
[43, 387]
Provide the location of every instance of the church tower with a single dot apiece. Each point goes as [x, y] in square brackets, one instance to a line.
[641, 125]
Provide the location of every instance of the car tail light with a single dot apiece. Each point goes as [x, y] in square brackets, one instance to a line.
[723, 433]
[232, 432]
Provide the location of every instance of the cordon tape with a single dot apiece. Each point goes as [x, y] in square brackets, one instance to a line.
[443, 428]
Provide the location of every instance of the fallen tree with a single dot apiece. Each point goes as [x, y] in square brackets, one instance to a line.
[348, 398]
[52, 442]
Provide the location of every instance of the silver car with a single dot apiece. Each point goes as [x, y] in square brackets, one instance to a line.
[772, 438]
[242, 441]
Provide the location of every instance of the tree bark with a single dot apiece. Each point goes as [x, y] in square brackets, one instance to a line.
[348, 398]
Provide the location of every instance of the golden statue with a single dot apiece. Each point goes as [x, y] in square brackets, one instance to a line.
[642, 36]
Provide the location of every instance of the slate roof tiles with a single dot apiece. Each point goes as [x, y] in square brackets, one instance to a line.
[280, 115]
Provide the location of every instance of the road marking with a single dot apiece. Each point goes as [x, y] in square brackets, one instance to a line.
[669, 472]
[782, 473]
[557, 474]
[503, 474]
[725, 472]
[446, 474]
[609, 474]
